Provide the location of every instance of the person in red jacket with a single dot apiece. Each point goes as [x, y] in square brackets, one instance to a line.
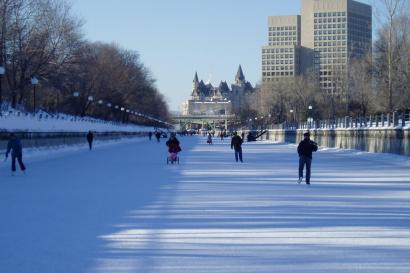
[173, 147]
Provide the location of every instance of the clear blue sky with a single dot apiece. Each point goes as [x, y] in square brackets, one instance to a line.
[175, 38]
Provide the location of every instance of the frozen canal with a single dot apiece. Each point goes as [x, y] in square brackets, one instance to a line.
[121, 209]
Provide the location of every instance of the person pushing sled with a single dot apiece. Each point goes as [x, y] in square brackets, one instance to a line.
[173, 148]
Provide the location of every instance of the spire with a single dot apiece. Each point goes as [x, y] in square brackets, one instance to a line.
[195, 87]
[239, 75]
[196, 80]
[217, 93]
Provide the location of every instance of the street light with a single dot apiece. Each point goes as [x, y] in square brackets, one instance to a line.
[310, 119]
[291, 117]
[90, 98]
[76, 94]
[2, 72]
[34, 82]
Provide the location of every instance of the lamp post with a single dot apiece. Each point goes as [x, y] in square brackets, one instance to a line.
[75, 95]
[310, 119]
[122, 109]
[34, 82]
[2, 72]
[291, 117]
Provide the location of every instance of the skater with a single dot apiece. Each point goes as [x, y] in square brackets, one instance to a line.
[14, 145]
[90, 138]
[222, 136]
[305, 149]
[236, 144]
[173, 148]
[209, 140]
[158, 135]
[150, 136]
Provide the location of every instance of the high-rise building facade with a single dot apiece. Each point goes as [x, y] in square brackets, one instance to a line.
[281, 57]
[333, 32]
[337, 31]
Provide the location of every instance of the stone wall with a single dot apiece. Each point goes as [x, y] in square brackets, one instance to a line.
[47, 139]
[370, 140]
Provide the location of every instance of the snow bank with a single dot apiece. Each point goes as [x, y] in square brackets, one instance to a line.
[44, 122]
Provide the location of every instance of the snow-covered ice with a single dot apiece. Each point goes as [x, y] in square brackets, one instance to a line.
[120, 208]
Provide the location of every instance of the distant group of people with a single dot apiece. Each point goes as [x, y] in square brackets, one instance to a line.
[157, 135]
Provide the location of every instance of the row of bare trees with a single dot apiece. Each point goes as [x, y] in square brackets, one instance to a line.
[379, 82]
[42, 39]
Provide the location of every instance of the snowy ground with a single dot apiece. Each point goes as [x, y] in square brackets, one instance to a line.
[121, 209]
[43, 122]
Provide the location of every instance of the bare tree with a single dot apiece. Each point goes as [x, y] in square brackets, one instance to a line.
[361, 86]
[388, 14]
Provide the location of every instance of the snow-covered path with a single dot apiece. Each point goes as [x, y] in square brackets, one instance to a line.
[121, 209]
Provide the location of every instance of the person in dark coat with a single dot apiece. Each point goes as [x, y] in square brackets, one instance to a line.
[150, 135]
[236, 144]
[209, 140]
[90, 138]
[158, 135]
[16, 148]
[305, 149]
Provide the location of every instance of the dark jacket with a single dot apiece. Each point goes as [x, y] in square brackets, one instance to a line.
[14, 145]
[90, 137]
[306, 148]
[236, 142]
[173, 145]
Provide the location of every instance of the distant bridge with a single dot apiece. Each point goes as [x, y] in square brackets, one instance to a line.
[212, 121]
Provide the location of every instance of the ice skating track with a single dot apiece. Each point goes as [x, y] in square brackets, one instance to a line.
[121, 209]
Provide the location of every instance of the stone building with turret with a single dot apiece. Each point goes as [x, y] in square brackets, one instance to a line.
[207, 99]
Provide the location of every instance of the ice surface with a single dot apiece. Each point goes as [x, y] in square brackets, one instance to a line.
[120, 208]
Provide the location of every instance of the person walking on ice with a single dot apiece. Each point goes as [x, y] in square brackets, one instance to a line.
[90, 138]
[158, 135]
[209, 140]
[236, 144]
[14, 145]
[305, 149]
